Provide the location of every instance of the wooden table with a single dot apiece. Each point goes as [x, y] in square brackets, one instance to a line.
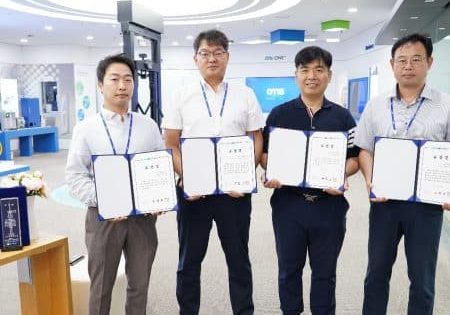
[50, 292]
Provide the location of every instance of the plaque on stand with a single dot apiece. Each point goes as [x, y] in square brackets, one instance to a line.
[14, 232]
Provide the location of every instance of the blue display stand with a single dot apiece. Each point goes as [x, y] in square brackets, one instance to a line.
[29, 107]
[38, 139]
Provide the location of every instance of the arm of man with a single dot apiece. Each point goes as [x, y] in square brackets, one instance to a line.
[172, 140]
[258, 143]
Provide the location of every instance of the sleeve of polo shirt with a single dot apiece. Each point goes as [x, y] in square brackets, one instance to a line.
[364, 135]
[266, 132]
[172, 115]
[255, 120]
[352, 149]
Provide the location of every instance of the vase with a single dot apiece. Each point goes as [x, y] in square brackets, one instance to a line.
[32, 224]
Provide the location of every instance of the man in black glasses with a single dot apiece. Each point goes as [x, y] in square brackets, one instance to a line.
[212, 107]
[411, 110]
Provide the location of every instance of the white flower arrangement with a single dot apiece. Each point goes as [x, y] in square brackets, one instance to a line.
[32, 182]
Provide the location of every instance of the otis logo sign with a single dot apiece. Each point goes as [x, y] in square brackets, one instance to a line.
[275, 58]
[275, 91]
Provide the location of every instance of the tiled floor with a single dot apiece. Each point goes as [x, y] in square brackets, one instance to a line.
[56, 218]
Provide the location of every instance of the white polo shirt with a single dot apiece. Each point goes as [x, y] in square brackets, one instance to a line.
[188, 111]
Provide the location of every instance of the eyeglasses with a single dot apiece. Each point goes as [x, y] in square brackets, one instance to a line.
[218, 54]
[414, 60]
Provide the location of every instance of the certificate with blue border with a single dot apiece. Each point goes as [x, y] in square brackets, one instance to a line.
[218, 165]
[312, 159]
[411, 170]
[134, 184]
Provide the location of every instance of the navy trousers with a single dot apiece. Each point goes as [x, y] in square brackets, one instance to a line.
[232, 217]
[421, 225]
[314, 227]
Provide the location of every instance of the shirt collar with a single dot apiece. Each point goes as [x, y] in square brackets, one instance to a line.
[326, 103]
[110, 115]
[208, 87]
[426, 93]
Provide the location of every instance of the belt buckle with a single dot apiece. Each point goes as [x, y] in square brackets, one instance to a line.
[310, 198]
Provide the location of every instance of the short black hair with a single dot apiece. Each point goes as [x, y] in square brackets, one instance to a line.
[311, 53]
[414, 38]
[213, 37]
[108, 60]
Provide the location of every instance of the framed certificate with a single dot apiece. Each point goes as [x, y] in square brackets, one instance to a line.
[422, 174]
[134, 184]
[218, 165]
[314, 159]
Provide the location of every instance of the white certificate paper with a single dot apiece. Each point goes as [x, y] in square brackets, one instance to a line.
[199, 166]
[394, 169]
[112, 184]
[236, 164]
[327, 154]
[433, 178]
[153, 182]
[286, 156]
[133, 184]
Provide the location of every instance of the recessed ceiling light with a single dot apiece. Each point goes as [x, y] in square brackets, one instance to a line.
[89, 37]
[175, 43]
[24, 40]
[394, 38]
[429, 1]
[48, 28]
[403, 29]
[352, 10]
[189, 37]
[333, 40]
[413, 17]
[310, 39]
[256, 40]
[442, 28]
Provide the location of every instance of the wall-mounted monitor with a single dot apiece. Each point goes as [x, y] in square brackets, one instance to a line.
[273, 91]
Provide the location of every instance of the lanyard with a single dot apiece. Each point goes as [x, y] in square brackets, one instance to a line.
[412, 118]
[109, 134]
[207, 103]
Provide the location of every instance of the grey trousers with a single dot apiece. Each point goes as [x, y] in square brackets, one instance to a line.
[105, 241]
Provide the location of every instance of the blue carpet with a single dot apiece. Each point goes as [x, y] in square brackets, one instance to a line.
[62, 195]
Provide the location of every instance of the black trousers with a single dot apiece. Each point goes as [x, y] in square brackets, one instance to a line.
[232, 218]
[305, 226]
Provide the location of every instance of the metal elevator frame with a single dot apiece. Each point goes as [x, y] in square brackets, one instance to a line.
[145, 68]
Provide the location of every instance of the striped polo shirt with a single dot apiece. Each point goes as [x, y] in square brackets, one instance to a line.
[428, 118]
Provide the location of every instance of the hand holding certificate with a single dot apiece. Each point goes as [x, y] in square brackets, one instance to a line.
[307, 159]
[421, 175]
[142, 183]
[218, 165]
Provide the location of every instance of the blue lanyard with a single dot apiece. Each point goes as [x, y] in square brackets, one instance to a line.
[412, 118]
[207, 103]
[109, 134]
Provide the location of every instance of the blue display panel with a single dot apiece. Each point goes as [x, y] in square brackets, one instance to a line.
[273, 91]
[358, 95]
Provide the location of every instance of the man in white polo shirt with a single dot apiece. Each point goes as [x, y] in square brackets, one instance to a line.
[211, 107]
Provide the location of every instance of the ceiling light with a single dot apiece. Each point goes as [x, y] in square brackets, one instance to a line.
[335, 25]
[175, 43]
[413, 17]
[429, 1]
[394, 38]
[352, 10]
[442, 28]
[24, 40]
[189, 37]
[89, 37]
[287, 37]
[256, 40]
[403, 29]
[48, 28]
[333, 40]
[310, 39]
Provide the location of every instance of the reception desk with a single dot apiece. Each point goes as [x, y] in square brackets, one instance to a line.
[36, 139]
[49, 291]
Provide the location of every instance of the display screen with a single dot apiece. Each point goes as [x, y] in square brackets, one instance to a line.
[273, 91]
